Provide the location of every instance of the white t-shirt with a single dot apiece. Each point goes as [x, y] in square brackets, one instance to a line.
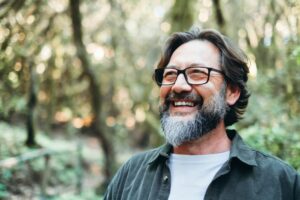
[191, 174]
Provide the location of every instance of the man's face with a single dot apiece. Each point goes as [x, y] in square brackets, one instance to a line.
[190, 111]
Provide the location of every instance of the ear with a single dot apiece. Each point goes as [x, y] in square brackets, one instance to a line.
[232, 94]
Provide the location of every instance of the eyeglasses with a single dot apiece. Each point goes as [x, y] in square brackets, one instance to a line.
[193, 75]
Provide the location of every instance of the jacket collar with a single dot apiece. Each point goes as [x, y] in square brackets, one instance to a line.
[162, 154]
[238, 150]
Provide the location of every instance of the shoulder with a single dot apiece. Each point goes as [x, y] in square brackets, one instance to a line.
[133, 169]
[261, 161]
[278, 174]
[265, 171]
[265, 167]
[148, 157]
[138, 163]
[273, 164]
[145, 156]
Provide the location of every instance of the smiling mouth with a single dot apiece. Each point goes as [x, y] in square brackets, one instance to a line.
[183, 103]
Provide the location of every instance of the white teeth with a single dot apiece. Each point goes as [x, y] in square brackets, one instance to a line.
[183, 103]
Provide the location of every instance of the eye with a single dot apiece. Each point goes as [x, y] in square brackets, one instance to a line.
[170, 74]
[197, 73]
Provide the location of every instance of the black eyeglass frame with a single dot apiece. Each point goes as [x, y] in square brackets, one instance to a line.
[158, 75]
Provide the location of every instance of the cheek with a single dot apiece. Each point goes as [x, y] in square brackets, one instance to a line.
[206, 91]
[210, 88]
[163, 92]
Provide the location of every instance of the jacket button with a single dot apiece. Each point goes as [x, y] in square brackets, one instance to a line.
[165, 179]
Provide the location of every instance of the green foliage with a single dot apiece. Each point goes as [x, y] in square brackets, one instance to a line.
[3, 191]
[5, 176]
[296, 55]
[272, 118]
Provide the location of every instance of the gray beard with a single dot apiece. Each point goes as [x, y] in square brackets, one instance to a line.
[178, 130]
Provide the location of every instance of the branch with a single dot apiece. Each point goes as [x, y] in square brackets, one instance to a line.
[14, 161]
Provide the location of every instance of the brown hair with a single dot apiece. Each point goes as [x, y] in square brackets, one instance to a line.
[233, 64]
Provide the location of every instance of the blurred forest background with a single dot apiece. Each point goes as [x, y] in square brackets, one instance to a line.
[77, 96]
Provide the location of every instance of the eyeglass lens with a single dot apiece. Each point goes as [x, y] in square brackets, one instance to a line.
[193, 75]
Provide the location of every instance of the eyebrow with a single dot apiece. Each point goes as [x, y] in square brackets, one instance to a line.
[191, 65]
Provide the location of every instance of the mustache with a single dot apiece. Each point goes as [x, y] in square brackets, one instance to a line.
[181, 96]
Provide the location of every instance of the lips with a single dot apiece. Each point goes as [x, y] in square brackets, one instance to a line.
[181, 102]
[180, 107]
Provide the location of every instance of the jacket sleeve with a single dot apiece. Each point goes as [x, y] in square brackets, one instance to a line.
[297, 187]
[116, 187]
[109, 194]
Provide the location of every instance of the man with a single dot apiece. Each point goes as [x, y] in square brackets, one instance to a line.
[202, 79]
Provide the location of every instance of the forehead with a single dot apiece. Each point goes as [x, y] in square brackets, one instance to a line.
[200, 52]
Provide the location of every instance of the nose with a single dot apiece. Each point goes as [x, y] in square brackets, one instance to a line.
[181, 85]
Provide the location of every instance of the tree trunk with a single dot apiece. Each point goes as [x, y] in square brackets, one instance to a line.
[98, 125]
[219, 16]
[181, 15]
[32, 101]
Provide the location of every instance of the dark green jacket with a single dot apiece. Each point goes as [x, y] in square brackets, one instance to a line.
[248, 174]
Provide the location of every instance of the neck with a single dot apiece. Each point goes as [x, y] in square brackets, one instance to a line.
[216, 141]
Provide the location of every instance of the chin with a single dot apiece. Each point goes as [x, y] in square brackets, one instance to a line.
[183, 116]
